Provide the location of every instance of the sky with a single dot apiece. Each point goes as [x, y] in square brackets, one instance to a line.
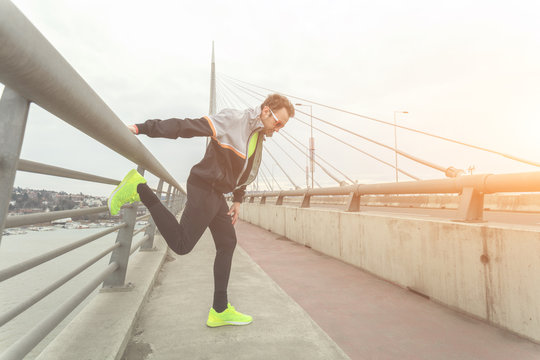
[467, 70]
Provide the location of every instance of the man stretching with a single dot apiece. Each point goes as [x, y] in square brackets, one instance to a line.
[231, 162]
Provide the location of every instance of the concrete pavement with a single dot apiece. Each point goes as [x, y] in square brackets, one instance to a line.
[172, 325]
[370, 318]
[299, 298]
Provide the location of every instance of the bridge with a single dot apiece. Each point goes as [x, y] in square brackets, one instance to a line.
[442, 268]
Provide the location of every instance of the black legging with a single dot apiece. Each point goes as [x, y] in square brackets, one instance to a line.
[205, 208]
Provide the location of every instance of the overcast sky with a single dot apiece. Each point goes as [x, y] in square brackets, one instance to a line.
[467, 70]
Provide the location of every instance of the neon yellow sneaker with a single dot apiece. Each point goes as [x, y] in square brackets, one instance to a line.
[229, 316]
[125, 192]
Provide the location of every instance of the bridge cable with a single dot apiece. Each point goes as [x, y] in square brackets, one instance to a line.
[265, 180]
[411, 157]
[231, 104]
[325, 170]
[268, 183]
[287, 175]
[292, 158]
[352, 146]
[271, 174]
[302, 169]
[289, 155]
[223, 90]
[508, 156]
[320, 157]
[305, 153]
[242, 101]
[245, 103]
[282, 133]
[363, 152]
[273, 158]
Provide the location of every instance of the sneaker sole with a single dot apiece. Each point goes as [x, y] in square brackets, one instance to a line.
[225, 323]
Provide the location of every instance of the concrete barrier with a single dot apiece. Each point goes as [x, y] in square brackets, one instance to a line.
[491, 272]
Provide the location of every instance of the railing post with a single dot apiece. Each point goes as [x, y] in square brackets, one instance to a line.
[353, 202]
[182, 202]
[13, 115]
[168, 200]
[121, 254]
[306, 200]
[179, 201]
[151, 230]
[471, 205]
[173, 202]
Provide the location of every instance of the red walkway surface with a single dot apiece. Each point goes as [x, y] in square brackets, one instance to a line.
[370, 318]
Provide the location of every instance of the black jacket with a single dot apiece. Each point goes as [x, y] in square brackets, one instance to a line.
[225, 166]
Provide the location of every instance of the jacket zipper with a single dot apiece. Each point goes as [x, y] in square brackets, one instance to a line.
[247, 157]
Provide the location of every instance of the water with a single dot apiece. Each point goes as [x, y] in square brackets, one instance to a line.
[17, 248]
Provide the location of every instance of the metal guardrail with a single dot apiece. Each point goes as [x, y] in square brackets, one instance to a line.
[471, 188]
[33, 71]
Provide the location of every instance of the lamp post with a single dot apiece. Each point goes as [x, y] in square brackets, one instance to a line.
[311, 142]
[395, 138]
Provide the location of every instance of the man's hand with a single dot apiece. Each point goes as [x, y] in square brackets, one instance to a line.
[133, 129]
[234, 212]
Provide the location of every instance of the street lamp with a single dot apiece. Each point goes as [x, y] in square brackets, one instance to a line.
[311, 142]
[395, 137]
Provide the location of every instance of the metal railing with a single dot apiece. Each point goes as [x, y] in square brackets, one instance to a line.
[471, 189]
[33, 71]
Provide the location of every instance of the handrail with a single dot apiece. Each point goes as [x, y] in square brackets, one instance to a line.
[142, 217]
[39, 168]
[487, 184]
[26, 343]
[21, 307]
[40, 259]
[30, 65]
[471, 188]
[141, 229]
[30, 219]
[33, 70]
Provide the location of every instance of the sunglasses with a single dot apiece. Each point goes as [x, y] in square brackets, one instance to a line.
[278, 124]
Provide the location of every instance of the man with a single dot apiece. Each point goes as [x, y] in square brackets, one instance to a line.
[230, 163]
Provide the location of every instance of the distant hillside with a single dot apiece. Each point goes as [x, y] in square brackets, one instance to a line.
[45, 200]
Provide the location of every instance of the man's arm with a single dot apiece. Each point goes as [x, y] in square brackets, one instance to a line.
[238, 194]
[175, 128]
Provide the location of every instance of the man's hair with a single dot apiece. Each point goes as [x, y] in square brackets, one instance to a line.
[276, 102]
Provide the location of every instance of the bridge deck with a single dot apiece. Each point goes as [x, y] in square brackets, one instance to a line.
[367, 318]
[172, 325]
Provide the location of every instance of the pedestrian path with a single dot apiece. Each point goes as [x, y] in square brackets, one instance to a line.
[172, 324]
[370, 318]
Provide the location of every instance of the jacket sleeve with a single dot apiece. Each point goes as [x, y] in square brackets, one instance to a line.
[238, 194]
[175, 128]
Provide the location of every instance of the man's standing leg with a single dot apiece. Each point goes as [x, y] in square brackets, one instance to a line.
[225, 241]
[222, 313]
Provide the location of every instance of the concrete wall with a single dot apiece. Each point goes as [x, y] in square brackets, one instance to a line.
[488, 271]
